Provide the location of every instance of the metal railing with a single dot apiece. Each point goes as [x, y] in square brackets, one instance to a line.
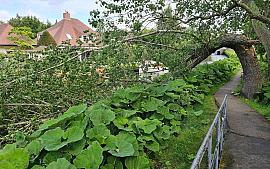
[216, 130]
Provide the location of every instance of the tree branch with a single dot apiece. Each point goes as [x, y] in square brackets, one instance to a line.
[153, 44]
[252, 14]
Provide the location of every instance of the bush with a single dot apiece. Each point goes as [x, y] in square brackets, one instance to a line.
[46, 39]
[123, 130]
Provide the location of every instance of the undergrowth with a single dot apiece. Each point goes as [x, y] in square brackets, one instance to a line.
[126, 130]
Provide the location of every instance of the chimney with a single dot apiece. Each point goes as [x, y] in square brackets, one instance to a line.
[66, 15]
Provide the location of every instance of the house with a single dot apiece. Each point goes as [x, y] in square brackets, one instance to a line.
[69, 30]
[5, 28]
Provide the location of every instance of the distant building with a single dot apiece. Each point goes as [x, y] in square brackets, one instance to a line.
[5, 28]
[69, 30]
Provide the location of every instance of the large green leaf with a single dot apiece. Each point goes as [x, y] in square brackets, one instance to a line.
[100, 115]
[13, 158]
[91, 158]
[77, 147]
[74, 134]
[51, 140]
[61, 163]
[70, 113]
[152, 104]
[152, 145]
[52, 156]
[34, 147]
[125, 113]
[176, 84]
[163, 132]
[99, 132]
[139, 162]
[119, 147]
[147, 125]
[131, 138]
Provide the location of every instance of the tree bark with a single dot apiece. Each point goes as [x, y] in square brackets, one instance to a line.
[252, 76]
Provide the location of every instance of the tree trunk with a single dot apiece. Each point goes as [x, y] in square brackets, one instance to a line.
[261, 31]
[252, 77]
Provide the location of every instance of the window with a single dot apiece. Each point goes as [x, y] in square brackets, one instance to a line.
[69, 36]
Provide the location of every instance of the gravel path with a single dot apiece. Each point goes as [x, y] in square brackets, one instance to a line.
[247, 144]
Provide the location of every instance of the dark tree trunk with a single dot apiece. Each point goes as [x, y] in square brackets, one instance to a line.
[252, 76]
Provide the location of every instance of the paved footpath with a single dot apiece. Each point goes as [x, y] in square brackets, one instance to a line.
[247, 145]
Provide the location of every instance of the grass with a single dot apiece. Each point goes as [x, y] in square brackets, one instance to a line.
[179, 152]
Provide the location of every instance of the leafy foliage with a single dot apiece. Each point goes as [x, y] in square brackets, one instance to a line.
[21, 36]
[29, 21]
[46, 39]
[122, 129]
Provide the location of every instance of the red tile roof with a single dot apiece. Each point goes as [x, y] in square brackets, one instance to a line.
[5, 28]
[68, 29]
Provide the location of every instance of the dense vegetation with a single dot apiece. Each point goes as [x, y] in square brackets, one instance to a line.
[31, 22]
[46, 39]
[122, 130]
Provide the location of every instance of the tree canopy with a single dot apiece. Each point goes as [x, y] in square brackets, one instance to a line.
[29, 21]
[21, 36]
[204, 23]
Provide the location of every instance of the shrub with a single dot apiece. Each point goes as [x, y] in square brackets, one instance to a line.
[46, 39]
[123, 130]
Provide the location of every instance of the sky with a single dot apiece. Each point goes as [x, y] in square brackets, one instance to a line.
[51, 10]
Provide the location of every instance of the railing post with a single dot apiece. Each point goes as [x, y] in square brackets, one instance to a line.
[219, 142]
[210, 152]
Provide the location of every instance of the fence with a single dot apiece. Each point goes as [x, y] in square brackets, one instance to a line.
[215, 131]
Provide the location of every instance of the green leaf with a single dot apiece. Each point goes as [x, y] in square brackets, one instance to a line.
[13, 158]
[152, 104]
[174, 107]
[131, 138]
[267, 95]
[123, 123]
[61, 163]
[51, 140]
[123, 145]
[120, 148]
[34, 147]
[38, 167]
[163, 132]
[99, 132]
[52, 156]
[77, 147]
[176, 84]
[125, 113]
[70, 113]
[198, 113]
[152, 145]
[139, 162]
[157, 90]
[101, 115]
[74, 134]
[91, 158]
[147, 125]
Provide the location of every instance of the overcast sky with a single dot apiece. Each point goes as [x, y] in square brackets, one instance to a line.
[51, 10]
